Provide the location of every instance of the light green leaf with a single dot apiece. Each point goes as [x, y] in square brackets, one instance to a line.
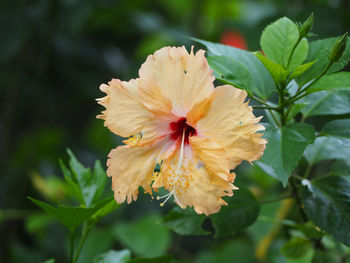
[106, 209]
[327, 148]
[51, 260]
[327, 202]
[242, 211]
[278, 73]
[71, 217]
[296, 108]
[286, 146]
[319, 50]
[296, 247]
[262, 83]
[163, 259]
[113, 256]
[146, 237]
[90, 184]
[335, 81]
[301, 69]
[185, 222]
[277, 42]
[321, 256]
[337, 128]
[326, 103]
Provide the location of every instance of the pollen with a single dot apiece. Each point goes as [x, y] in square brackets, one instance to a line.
[134, 139]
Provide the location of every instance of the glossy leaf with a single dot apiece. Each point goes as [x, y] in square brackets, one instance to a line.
[327, 148]
[71, 217]
[113, 256]
[321, 256]
[185, 222]
[296, 248]
[146, 237]
[335, 81]
[326, 103]
[319, 50]
[338, 128]
[242, 211]
[162, 259]
[262, 83]
[286, 146]
[277, 42]
[327, 203]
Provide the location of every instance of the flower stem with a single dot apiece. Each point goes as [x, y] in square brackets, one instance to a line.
[259, 100]
[85, 233]
[71, 246]
[265, 107]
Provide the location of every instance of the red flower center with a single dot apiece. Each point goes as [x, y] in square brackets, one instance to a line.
[179, 128]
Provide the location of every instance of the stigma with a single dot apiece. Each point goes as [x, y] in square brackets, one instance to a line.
[180, 128]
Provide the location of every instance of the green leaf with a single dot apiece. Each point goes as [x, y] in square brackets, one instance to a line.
[278, 73]
[262, 83]
[319, 50]
[296, 108]
[335, 81]
[301, 69]
[285, 147]
[106, 209]
[73, 188]
[71, 217]
[84, 183]
[113, 256]
[327, 202]
[338, 128]
[277, 42]
[185, 222]
[51, 260]
[242, 211]
[326, 103]
[327, 148]
[296, 248]
[146, 237]
[321, 256]
[163, 259]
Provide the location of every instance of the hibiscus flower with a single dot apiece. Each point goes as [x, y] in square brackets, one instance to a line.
[175, 119]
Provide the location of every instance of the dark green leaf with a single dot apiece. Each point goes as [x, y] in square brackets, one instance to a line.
[113, 256]
[146, 237]
[338, 128]
[285, 147]
[327, 203]
[326, 103]
[71, 217]
[263, 84]
[335, 81]
[185, 222]
[319, 50]
[327, 148]
[296, 248]
[321, 256]
[163, 259]
[277, 42]
[242, 211]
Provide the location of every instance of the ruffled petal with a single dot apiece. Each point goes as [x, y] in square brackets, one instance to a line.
[172, 75]
[126, 114]
[230, 122]
[192, 184]
[129, 169]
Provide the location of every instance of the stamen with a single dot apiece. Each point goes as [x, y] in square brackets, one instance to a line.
[181, 151]
[169, 195]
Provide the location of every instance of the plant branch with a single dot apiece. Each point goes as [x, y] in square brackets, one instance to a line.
[259, 100]
[293, 49]
[71, 253]
[85, 233]
[274, 118]
[275, 199]
[265, 107]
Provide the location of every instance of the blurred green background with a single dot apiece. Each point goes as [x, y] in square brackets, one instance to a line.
[53, 57]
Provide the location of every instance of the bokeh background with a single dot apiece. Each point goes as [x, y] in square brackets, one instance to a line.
[54, 54]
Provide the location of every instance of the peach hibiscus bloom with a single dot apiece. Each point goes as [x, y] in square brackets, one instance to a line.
[175, 118]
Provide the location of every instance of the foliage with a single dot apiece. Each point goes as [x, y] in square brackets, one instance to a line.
[291, 206]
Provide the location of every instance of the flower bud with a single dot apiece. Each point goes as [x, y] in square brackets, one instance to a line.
[306, 26]
[338, 48]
